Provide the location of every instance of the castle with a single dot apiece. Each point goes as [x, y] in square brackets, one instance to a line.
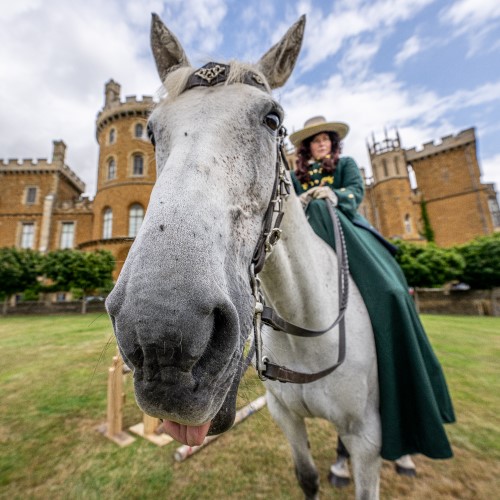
[41, 203]
[449, 197]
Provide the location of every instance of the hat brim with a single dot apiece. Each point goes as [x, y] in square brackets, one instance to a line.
[298, 137]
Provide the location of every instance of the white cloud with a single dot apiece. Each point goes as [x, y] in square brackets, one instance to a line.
[56, 60]
[471, 13]
[382, 101]
[476, 20]
[351, 19]
[196, 23]
[411, 47]
[356, 60]
[53, 79]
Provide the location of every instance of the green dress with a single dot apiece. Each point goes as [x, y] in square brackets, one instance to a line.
[414, 398]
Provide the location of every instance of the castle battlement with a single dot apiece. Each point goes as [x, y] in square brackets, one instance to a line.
[448, 142]
[136, 100]
[30, 165]
[117, 109]
[39, 163]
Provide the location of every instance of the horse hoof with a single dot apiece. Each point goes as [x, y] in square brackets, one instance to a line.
[405, 471]
[337, 481]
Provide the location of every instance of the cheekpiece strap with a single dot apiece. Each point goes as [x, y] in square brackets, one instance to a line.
[214, 73]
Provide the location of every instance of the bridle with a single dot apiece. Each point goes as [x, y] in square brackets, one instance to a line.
[268, 238]
[215, 73]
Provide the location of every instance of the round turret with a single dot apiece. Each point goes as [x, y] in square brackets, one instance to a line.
[126, 172]
[397, 214]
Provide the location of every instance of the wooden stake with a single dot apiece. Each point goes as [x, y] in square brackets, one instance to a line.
[113, 428]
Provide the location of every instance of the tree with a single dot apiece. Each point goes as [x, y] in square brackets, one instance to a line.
[73, 269]
[482, 261]
[429, 265]
[19, 270]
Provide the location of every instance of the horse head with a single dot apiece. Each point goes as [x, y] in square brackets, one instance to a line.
[182, 307]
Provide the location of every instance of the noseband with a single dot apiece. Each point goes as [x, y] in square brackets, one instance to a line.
[213, 74]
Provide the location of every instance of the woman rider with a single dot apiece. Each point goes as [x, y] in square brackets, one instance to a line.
[414, 398]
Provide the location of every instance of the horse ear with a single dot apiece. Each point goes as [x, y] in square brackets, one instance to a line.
[278, 62]
[167, 50]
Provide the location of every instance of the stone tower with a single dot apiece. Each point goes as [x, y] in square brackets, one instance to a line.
[126, 172]
[448, 176]
[394, 207]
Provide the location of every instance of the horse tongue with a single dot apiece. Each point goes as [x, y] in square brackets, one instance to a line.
[191, 435]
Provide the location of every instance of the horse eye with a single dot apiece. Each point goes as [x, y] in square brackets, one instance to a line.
[273, 121]
[151, 135]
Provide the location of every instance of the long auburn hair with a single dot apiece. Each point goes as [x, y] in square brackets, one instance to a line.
[304, 157]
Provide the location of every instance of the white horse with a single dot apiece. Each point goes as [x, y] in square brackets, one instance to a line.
[182, 308]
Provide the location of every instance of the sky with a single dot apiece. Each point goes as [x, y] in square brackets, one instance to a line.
[428, 68]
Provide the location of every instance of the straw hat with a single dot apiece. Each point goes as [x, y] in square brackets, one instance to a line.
[316, 125]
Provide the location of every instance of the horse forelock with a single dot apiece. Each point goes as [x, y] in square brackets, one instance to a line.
[175, 83]
[238, 70]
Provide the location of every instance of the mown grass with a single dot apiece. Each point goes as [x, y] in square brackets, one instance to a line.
[53, 372]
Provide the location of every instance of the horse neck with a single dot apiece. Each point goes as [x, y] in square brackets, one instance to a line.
[300, 276]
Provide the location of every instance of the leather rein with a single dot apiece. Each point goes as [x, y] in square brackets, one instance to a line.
[213, 74]
[270, 235]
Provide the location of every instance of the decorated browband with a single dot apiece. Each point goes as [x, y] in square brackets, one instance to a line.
[214, 73]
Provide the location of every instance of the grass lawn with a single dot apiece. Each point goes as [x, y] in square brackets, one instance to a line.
[53, 373]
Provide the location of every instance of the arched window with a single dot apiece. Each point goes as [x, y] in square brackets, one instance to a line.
[107, 224]
[139, 129]
[135, 216]
[112, 136]
[396, 164]
[408, 223]
[111, 169]
[384, 164]
[138, 166]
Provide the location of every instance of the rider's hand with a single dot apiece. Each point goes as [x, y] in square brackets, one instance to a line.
[324, 192]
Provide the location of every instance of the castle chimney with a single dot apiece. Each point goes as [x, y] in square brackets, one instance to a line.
[111, 93]
[59, 152]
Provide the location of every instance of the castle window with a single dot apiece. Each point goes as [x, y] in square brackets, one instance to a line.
[136, 215]
[139, 129]
[30, 195]
[27, 235]
[67, 235]
[112, 136]
[107, 224]
[396, 164]
[138, 166]
[384, 165]
[407, 223]
[111, 169]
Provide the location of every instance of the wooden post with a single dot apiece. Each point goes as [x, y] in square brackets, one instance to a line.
[115, 397]
[150, 424]
[147, 429]
[113, 428]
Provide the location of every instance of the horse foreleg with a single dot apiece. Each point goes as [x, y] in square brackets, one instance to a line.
[366, 461]
[295, 431]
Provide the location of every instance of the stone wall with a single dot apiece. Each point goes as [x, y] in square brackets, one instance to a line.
[468, 302]
[428, 301]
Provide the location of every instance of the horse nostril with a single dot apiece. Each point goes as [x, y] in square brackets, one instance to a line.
[136, 357]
